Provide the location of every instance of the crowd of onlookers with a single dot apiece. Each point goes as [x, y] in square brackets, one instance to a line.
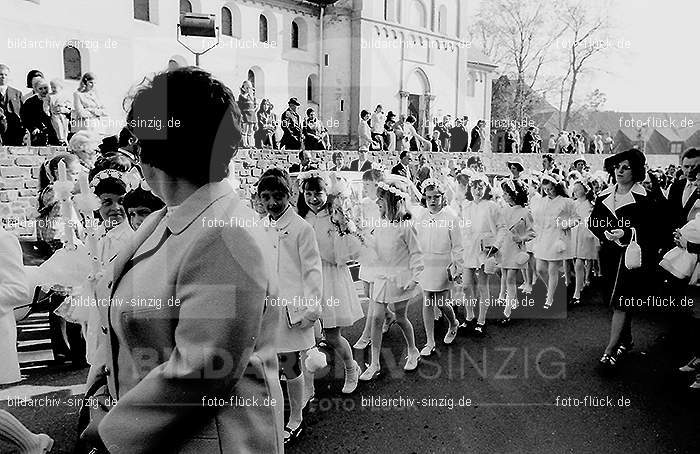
[46, 115]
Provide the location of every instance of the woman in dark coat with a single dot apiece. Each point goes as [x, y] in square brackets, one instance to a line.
[618, 209]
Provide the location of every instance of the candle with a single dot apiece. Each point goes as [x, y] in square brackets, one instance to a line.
[84, 185]
[62, 176]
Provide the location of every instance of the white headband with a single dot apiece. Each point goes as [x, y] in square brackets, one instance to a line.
[396, 191]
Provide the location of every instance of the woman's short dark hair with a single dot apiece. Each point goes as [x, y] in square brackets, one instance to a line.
[275, 179]
[518, 192]
[410, 119]
[363, 113]
[31, 75]
[336, 154]
[199, 124]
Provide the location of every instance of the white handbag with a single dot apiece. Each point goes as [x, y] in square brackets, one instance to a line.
[633, 253]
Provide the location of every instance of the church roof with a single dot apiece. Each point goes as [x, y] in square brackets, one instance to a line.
[477, 57]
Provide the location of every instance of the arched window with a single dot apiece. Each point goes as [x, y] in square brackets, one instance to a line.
[312, 89]
[263, 29]
[226, 22]
[72, 63]
[185, 6]
[295, 35]
[251, 77]
[417, 16]
[442, 20]
[142, 10]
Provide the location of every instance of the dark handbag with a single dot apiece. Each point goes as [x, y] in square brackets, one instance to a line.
[41, 302]
[95, 405]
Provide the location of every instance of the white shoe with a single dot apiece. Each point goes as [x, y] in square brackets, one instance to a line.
[412, 361]
[370, 373]
[427, 350]
[692, 366]
[351, 378]
[527, 289]
[362, 343]
[696, 383]
[450, 335]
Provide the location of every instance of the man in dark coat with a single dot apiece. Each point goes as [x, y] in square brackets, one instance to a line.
[682, 194]
[459, 142]
[291, 125]
[529, 140]
[11, 105]
[303, 165]
[36, 116]
[402, 168]
[362, 164]
[477, 136]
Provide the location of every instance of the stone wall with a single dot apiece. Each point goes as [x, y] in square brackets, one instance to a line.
[19, 172]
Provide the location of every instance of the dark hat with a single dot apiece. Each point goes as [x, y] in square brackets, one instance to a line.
[580, 160]
[109, 144]
[294, 101]
[517, 162]
[634, 156]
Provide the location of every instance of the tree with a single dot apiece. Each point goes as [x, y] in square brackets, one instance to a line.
[586, 27]
[517, 35]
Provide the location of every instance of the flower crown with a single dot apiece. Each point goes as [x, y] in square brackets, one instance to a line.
[432, 182]
[130, 179]
[553, 178]
[394, 190]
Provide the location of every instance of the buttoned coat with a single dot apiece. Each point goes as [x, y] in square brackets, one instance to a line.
[195, 369]
[638, 213]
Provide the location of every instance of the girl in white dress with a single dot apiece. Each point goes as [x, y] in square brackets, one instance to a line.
[367, 213]
[320, 205]
[516, 230]
[296, 264]
[535, 200]
[479, 230]
[556, 218]
[399, 267]
[440, 240]
[583, 243]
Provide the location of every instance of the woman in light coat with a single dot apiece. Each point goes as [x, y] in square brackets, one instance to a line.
[190, 351]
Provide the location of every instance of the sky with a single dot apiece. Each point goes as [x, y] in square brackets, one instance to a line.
[657, 69]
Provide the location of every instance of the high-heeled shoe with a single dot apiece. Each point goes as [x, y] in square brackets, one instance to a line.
[370, 373]
[412, 362]
[362, 343]
[428, 350]
[292, 435]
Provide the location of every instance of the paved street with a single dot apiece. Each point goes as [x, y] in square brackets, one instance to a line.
[496, 394]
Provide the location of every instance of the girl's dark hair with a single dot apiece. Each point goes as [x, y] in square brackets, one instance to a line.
[311, 184]
[559, 188]
[487, 192]
[423, 200]
[200, 124]
[462, 179]
[373, 175]
[141, 198]
[49, 171]
[519, 194]
[110, 186]
[396, 209]
[275, 179]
